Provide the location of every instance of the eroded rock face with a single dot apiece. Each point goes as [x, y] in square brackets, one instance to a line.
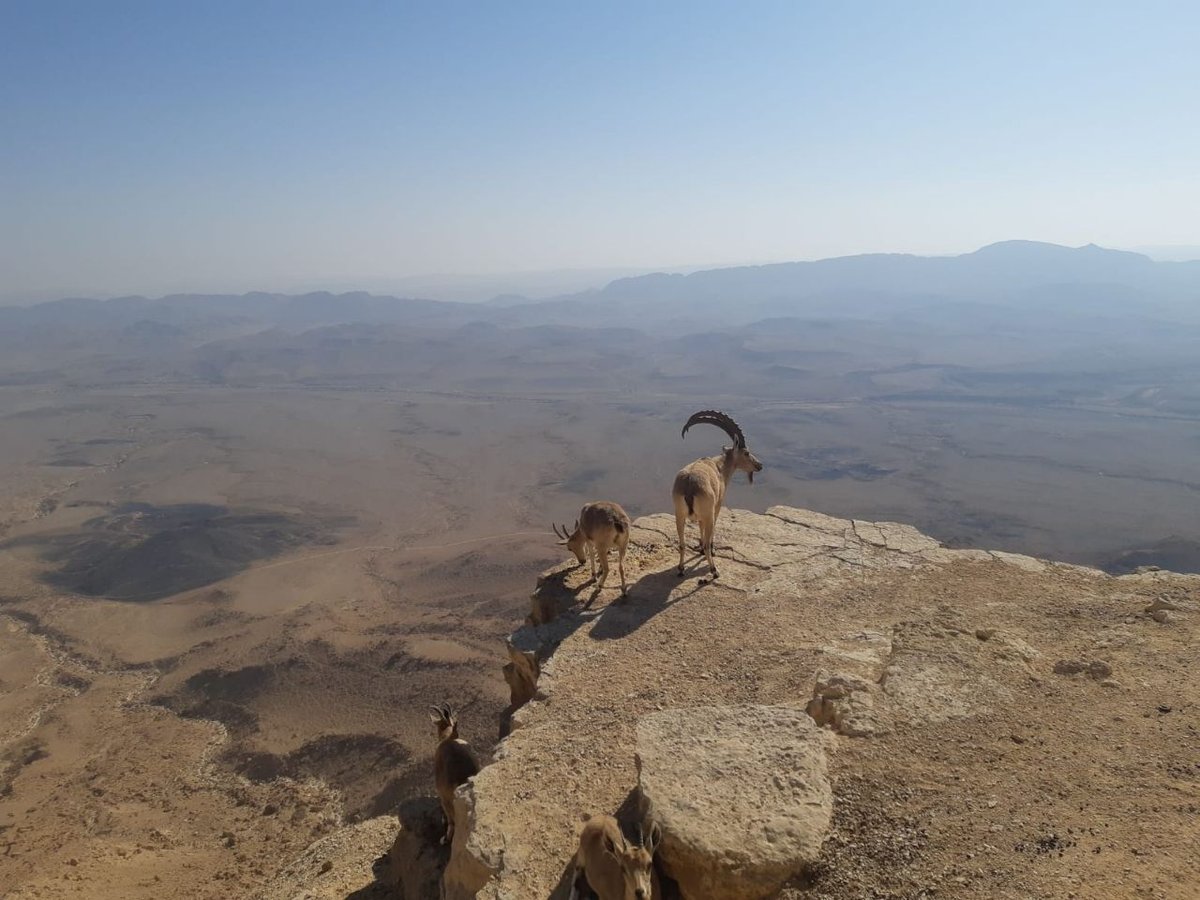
[416, 859]
[552, 596]
[741, 794]
[339, 864]
[846, 703]
[893, 641]
[477, 854]
[1096, 669]
[528, 647]
[521, 673]
[844, 699]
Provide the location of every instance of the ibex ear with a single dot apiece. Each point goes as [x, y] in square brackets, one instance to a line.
[653, 839]
[610, 845]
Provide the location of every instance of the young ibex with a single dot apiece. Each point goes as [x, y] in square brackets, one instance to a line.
[600, 526]
[453, 762]
[700, 486]
[612, 867]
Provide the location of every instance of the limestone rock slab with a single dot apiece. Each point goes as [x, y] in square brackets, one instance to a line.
[741, 794]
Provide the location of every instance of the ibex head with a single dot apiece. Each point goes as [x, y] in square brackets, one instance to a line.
[444, 721]
[573, 540]
[738, 455]
[636, 861]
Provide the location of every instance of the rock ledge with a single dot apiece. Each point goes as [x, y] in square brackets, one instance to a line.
[741, 794]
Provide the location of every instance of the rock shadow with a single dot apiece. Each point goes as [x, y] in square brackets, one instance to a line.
[559, 610]
[1175, 554]
[142, 552]
[338, 760]
[554, 598]
[414, 864]
[648, 596]
[376, 890]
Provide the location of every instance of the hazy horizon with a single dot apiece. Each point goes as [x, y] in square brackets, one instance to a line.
[480, 287]
[155, 148]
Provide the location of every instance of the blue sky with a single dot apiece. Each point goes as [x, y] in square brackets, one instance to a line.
[235, 146]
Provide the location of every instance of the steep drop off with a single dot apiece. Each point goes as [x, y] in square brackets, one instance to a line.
[989, 725]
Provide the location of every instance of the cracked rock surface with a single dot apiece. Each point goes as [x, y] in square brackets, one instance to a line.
[960, 764]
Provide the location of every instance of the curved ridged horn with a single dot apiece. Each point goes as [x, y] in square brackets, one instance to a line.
[722, 421]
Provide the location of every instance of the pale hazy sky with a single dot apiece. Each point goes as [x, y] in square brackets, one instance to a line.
[214, 145]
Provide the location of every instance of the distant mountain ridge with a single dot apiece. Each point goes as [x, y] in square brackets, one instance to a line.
[1007, 264]
[1008, 273]
[887, 284]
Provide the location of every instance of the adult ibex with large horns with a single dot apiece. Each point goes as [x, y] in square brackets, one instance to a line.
[699, 490]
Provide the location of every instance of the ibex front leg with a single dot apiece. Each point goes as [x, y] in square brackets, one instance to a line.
[602, 552]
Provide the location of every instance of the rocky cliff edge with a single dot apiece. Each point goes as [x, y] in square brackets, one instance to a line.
[851, 710]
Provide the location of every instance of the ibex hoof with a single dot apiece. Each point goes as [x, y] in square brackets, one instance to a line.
[680, 572]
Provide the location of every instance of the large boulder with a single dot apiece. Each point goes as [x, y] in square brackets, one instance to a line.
[741, 794]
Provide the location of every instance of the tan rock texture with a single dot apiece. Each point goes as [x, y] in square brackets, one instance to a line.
[741, 794]
[963, 766]
[340, 865]
[415, 862]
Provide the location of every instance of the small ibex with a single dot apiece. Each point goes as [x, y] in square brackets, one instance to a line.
[600, 526]
[699, 489]
[453, 762]
[613, 868]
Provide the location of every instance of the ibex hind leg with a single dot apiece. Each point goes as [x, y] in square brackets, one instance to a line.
[680, 525]
[621, 568]
[706, 538]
